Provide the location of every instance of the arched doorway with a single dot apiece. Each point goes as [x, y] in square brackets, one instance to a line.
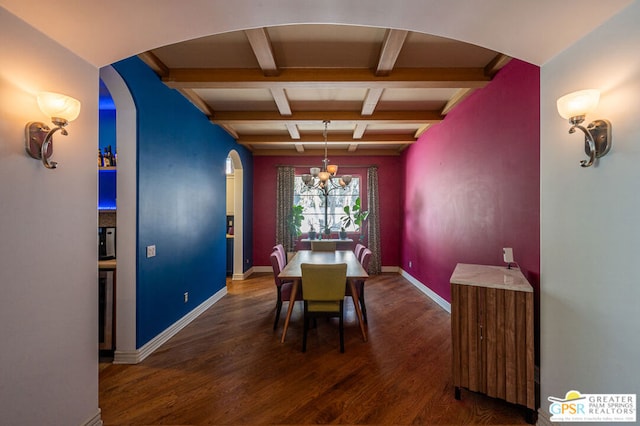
[238, 223]
[126, 216]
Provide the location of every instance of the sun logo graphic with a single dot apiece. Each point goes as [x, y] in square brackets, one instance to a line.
[593, 407]
[572, 403]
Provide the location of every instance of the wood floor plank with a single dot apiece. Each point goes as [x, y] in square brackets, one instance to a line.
[229, 367]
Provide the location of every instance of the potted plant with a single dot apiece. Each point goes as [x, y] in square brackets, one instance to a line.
[312, 231]
[294, 222]
[354, 215]
[327, 232]
[343, 233]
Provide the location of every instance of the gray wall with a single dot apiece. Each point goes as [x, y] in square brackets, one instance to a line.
[590, 237]
[48, 239]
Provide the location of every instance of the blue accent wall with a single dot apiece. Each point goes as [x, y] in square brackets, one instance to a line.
[181, 202]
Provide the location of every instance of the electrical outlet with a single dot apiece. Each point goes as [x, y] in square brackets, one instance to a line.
[410, 264]
[186, 296]
[151, 251]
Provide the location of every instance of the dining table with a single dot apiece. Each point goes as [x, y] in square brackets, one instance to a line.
[293, 272]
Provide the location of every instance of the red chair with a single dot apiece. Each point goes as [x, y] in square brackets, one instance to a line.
[358, 250]
[359, 284]
[283, 287]
[283, 255]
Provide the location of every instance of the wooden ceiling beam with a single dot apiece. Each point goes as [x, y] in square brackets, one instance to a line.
[154, 63]
[262, 49]
[332, 138]
[496, 64]
[197, 101]
[320, 153]
[315, 117]
[230, 78]
[457, 97]
[391, 48]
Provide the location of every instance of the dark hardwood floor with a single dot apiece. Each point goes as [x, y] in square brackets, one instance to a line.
[229, 367]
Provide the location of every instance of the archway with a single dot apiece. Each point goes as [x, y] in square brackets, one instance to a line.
[127, 207]
[238, 222]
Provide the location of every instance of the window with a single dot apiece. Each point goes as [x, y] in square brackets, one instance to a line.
[314, 204]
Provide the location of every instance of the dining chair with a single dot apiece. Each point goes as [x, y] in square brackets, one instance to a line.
[323, 288]
[358, 250]
[359, 284]
[282, 253]
[323, 245]
[283, 287]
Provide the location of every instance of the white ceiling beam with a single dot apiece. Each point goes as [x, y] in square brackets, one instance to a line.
[391, 48]
[371, 100]
[281, 100]
[261, 45]
[358, 132]
[292, 128]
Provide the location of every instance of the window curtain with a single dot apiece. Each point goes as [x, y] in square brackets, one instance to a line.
[373, 231]
[284, 202]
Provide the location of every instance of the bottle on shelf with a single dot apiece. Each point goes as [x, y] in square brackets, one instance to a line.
[107, 156]
[100, 159]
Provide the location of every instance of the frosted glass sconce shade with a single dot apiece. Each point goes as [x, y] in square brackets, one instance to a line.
[597, 135]
[61, 109]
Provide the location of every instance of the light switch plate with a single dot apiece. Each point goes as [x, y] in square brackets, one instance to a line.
[151, 251]
[507, 255]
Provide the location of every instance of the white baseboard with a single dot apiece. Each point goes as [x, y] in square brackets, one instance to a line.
[543, 418]
[426, 290]
[96, 420]
[244, 275]
[134, 357]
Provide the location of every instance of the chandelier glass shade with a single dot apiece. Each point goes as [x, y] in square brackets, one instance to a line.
[325, 178]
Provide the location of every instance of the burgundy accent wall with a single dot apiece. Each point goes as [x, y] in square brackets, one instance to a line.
[390, 191]
[473, 183]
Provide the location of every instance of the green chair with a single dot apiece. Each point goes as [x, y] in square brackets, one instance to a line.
[323, 245]
[323, 289]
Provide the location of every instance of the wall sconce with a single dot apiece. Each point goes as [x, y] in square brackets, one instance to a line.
[597, 135]
[38, 137]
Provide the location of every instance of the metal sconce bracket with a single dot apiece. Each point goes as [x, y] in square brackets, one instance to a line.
[39, 141]
[597, 139]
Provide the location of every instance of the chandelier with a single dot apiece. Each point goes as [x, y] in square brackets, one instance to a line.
[325, 178]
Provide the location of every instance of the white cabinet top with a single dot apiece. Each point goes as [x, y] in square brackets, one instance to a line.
[490, 276]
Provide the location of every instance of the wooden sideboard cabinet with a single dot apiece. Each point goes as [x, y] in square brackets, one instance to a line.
[492, 334]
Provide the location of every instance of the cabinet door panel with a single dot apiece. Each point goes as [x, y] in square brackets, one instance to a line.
[473, 339]
[521, 348]
[490, 342]
[511, 393]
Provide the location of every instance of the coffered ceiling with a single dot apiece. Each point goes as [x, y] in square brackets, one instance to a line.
[273, 88]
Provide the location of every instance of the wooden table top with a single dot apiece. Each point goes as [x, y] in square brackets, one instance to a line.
[354, 268]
